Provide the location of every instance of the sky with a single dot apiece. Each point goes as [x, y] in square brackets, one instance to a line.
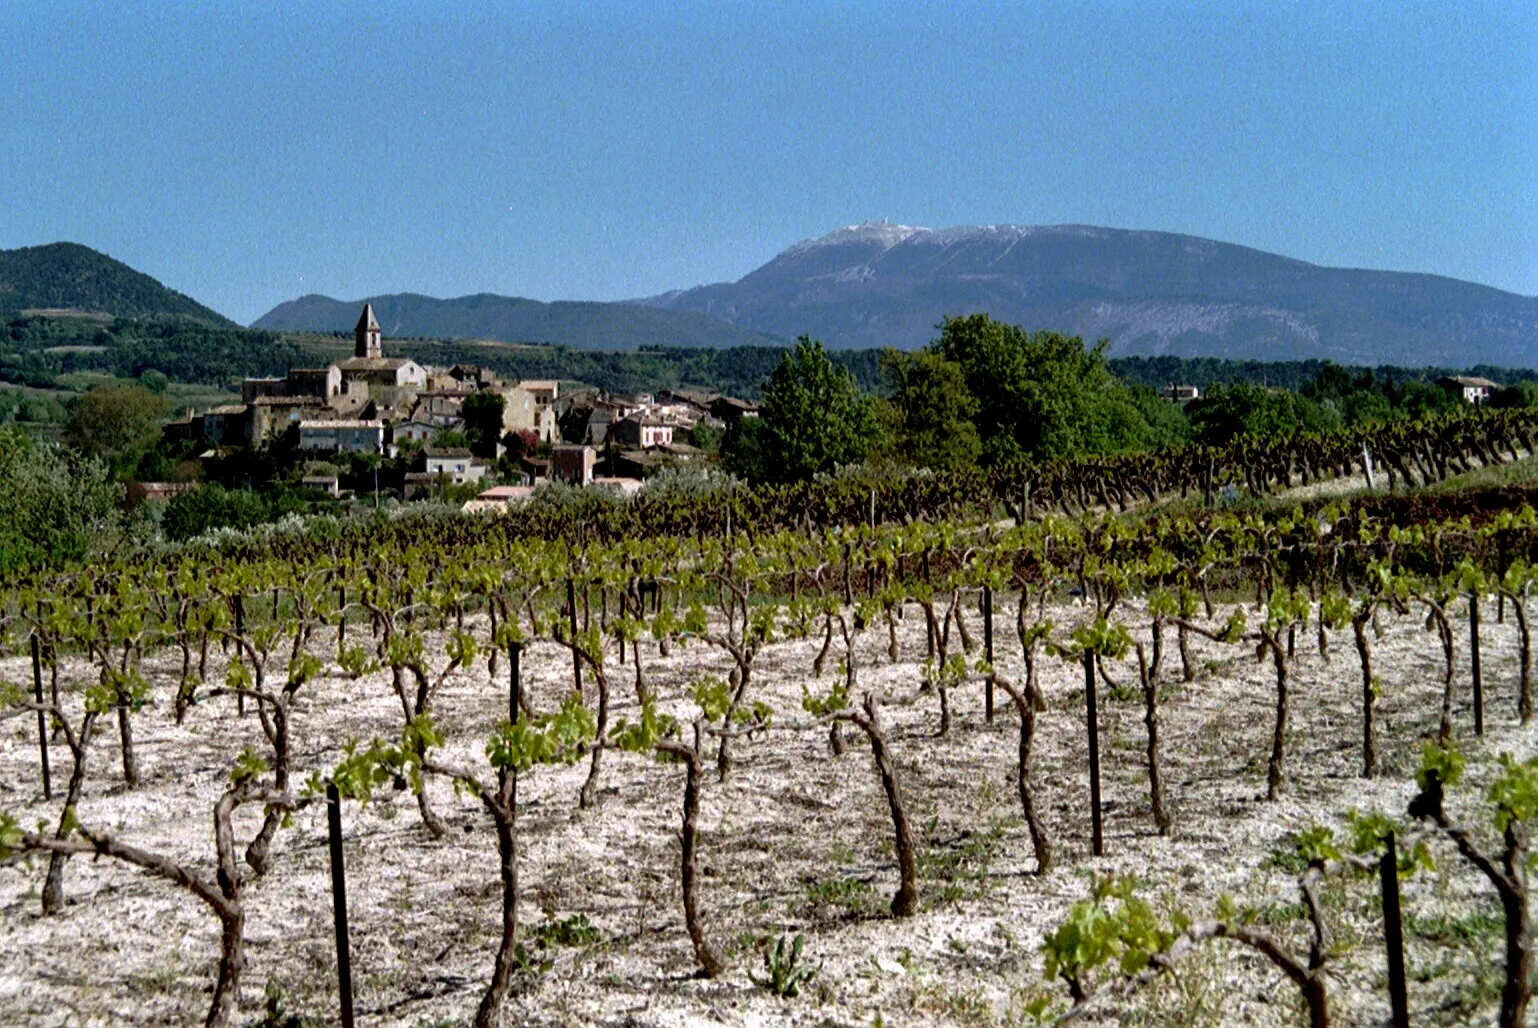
[247, 154]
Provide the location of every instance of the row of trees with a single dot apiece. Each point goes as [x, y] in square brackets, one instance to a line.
[986, 393]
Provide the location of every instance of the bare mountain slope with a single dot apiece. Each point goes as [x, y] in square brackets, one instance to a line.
[1149, 292]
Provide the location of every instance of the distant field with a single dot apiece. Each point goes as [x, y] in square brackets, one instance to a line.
[66, 313]
[183, 396]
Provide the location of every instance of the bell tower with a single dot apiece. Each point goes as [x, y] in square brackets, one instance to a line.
[366, 335]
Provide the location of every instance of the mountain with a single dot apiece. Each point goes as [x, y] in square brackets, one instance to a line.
[1150, 293]
[607, 326]
[68, 276]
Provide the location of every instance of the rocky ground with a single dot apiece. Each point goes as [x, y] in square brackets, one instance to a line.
[794, 841]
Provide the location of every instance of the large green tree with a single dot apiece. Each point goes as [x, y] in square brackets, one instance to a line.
[814, 416]
[482, 412]
[1242, 408]
[1041, 395]
[116, 423]
[928, 417]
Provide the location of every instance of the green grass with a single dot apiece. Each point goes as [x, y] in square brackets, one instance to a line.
[850, 894]
[199, 397]
[1444, 928]
[1522, 472]
[182, 395]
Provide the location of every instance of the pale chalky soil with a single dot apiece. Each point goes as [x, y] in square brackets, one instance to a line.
[794, 841]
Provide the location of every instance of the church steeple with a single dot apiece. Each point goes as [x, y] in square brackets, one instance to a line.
[366, 335]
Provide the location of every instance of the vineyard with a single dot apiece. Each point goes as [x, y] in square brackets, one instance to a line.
[1203, 736]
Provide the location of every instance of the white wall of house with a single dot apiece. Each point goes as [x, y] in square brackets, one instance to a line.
[458, 470]
[342, 436]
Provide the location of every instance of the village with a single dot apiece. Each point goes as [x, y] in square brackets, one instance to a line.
[511, 438]
[463, 435]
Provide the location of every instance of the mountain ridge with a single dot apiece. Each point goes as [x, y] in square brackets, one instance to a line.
[1149, 292]
[585, 323]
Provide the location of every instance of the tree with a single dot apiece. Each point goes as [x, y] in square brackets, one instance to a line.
[930, 412]
[1245, 409]
[211, 506]
[1040, 395]
[1167, 422]
[743, 449]
[703, 437]
[116, 423]
[1522, 394]
[482, 412]
[814, 416]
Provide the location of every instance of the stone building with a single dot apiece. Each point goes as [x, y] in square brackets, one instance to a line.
[369, 366]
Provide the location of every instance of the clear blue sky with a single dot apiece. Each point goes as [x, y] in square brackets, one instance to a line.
[247, 153]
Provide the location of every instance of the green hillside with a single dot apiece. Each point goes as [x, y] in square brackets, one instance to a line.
[68, 276]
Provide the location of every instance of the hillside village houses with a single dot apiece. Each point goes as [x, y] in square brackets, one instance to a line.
[370, 403]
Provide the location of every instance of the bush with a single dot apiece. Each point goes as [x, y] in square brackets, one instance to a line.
[54, 505]
[210, 507]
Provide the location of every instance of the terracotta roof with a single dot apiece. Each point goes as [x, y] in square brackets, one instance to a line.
[506, 492]
[644, 458]
[447, 452]
[690, 396]
[374, 363]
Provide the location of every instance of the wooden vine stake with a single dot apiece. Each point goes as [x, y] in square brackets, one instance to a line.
[1479, 681]
[1094, 750]
[514, 681]
[848, 588]
[339, 902]
[576, 659]
[42, 719]
[240, 631]
[988, 650]
[1393, 934]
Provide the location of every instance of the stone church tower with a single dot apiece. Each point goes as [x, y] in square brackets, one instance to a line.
[366, 335]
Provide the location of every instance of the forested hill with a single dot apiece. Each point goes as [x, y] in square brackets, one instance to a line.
[602, 326]
[68, 276]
